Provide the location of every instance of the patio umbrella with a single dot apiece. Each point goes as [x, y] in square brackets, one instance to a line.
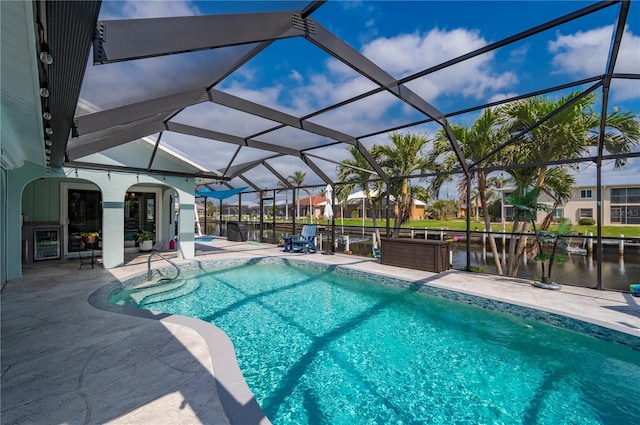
[328, 208]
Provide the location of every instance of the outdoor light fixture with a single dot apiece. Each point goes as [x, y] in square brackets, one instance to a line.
[45, 56]
[48, 129]
[46, 114]
[44, 90]
[47, 142]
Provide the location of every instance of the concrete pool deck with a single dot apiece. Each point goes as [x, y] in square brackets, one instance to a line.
[66, 361]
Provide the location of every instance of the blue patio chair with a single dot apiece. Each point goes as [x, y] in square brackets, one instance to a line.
[305, 240]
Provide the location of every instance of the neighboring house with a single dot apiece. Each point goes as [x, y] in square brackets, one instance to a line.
[357, 203]
[620, 202]
[311, 206]
[418, 210]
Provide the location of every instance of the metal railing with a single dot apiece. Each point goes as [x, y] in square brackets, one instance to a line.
[167, 260]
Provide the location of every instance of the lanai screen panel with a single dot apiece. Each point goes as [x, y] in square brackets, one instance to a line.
[211, 116]
[293, 78]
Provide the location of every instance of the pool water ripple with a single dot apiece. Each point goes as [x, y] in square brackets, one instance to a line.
[320, 347]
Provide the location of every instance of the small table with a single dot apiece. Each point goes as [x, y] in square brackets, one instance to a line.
[84, 261]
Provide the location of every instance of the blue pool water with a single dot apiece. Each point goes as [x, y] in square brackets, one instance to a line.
[319, 347]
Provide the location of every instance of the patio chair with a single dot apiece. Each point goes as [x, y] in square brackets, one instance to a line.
[305, 240]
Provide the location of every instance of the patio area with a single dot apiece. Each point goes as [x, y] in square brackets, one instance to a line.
[66, 361]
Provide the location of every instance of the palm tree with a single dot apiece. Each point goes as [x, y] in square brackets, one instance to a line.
[402, 158]
[566, 135]
[355, 172]
[283, 187]
[296, 180]
[477, 141]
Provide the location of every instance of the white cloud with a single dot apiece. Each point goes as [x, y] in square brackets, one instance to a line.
[501, 96]
[408, 53]
[585, 54]
[147, 9]
[518, 55]
[296, 76]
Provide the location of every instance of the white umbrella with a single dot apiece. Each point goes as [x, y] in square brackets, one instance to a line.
[328, 208]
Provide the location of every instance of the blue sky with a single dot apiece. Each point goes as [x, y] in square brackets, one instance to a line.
[402, 38]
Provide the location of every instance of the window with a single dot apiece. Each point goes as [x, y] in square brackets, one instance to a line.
[624, 214]
[585, 194]
[626, 195]
[139, 214]
[558, 213]
[84, 212]
[616, 214]
[586, 212]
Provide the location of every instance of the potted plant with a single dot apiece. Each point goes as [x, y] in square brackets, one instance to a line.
[89, 237]
[145, 240]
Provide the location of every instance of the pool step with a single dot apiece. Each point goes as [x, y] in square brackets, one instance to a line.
[162, 290]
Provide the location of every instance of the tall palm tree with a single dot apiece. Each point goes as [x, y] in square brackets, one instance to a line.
[284, 188]
[355, 172]
[403, 157]
[568, 134]
[478, 140]
[296, 179]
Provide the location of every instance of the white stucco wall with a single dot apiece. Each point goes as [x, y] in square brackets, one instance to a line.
[113, 185]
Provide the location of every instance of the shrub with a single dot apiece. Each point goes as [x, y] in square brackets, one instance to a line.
[586, 221]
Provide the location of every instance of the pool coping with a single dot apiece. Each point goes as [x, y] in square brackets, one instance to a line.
[235, 396]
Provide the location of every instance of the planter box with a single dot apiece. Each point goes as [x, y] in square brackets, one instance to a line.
[419, 254]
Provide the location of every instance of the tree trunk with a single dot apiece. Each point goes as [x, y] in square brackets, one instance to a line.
[487, 221]
[519, 250]
[375, 220]
[512, 245]
[403, 208]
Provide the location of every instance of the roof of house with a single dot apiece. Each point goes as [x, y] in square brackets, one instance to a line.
[315, 200]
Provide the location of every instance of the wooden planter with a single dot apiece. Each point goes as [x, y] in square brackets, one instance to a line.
[419, 254]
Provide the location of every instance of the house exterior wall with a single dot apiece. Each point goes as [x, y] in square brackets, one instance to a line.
[572, 208]
[4, 207]
[584, 202]
[113, 186]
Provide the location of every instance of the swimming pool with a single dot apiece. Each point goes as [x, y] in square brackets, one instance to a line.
[321, 346]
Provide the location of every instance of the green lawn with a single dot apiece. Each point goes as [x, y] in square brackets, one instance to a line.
[461, 224]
